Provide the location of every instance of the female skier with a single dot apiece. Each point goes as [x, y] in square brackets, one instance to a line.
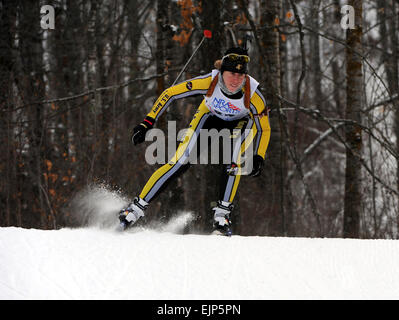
[232, 101]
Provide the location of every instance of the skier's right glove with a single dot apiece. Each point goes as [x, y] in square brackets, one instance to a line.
[140, 130]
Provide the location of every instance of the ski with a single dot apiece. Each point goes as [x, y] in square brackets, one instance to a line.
[217, 232]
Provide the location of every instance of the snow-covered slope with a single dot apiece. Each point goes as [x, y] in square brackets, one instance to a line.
[92, 263]
[95, 262]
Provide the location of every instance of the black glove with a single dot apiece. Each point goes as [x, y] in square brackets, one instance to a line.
[140, 130]
[257, 166]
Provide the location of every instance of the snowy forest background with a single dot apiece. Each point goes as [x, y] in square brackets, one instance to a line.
[70, 97]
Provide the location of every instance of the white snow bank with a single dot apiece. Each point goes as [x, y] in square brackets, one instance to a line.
[93, 263]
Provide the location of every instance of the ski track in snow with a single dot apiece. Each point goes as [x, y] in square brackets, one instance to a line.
[94, 263]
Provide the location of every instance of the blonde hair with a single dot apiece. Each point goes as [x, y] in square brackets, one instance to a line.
[218, 64]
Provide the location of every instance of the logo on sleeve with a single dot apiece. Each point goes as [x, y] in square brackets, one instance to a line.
[189, 85]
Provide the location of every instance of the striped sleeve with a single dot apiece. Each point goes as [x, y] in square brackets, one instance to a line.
[261, 118]
[195, 86]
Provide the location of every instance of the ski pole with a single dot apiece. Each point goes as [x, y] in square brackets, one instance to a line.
[207, 34]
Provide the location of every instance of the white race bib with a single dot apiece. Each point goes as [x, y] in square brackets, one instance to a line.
[224, 107]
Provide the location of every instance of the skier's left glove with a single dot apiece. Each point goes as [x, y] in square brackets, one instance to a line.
[140, 130]
[258, 163]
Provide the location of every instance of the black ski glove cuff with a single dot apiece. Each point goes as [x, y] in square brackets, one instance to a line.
[258, 163]
[140, 130]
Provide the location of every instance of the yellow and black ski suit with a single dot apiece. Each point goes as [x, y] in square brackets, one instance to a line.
[256, 121]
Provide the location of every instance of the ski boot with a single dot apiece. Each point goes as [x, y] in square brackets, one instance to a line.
[132, 213]
[222, 223]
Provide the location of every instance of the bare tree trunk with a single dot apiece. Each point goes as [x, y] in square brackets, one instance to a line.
[287, 201]
[102, 105]
[354, 96]
[335, 63]
[210, 52]
[91, 65]
[391, 61]
[276, 158]
[165, 197]
[162, 14]
[315, 54]
[32, 65]
[7, 163]
[392, 65]
[184, 186]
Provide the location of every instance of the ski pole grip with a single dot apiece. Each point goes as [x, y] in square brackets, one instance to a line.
[207, 33]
